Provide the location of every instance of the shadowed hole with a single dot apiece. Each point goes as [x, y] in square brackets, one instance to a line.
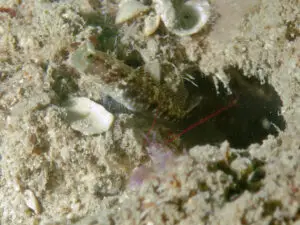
[256, 114]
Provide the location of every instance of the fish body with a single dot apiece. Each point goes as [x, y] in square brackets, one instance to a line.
[132, 87]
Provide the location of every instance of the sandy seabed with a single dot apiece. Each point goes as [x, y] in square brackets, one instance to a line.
[240, 167]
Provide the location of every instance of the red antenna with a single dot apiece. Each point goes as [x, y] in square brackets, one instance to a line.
[192, 126]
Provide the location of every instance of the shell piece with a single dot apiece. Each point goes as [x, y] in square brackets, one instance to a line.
[130, 9]
[87, 116]
[153, 67]
[82, 52]
[32, 201]
[181, 17]
[166, 10]
[185, 17]
[151, 24]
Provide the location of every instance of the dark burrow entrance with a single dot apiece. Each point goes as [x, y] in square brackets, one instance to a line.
[256, 114]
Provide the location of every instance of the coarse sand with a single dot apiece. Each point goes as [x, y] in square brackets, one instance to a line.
[239, 167]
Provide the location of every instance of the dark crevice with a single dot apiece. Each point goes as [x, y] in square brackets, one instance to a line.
[255, 115]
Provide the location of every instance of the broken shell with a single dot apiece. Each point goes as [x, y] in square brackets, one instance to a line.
[82, 52]
[153, 67]
[87, 116]
[185, 18]
[32, 201]
[129, 9]
[151, 24]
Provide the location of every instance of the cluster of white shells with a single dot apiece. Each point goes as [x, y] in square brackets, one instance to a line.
[180, 17]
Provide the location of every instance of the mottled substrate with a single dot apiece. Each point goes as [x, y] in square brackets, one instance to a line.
[218, 186]
[75, 177]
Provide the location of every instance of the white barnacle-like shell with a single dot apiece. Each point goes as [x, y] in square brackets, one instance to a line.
[129, 9]
[87, 116]
[185, 17]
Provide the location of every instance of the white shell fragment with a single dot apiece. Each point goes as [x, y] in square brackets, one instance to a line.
[32, 201]
[184, 18]
[129, 9]
[87, 48]
[151, 24]
[153, 67]
[181, 17]
[88, 117]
